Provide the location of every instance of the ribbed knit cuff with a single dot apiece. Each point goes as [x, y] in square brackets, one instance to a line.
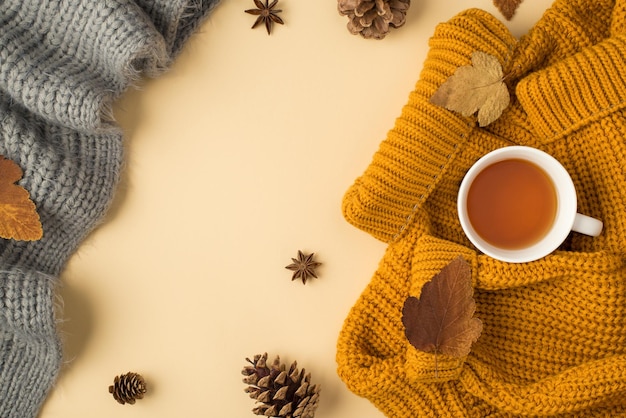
[426, 137]
[30, 351]
[577, 90]
[67, 61]
[176, 19]
[427, 368]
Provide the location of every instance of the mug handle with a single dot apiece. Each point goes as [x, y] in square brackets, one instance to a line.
[587, 225]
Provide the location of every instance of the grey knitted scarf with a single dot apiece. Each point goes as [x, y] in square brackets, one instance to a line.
[62, 64]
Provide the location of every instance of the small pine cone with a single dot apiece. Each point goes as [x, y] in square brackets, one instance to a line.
[128, 387]
[373, 18]
[280, 392]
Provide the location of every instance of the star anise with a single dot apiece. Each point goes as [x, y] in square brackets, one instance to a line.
[266, 14]
[303, 267]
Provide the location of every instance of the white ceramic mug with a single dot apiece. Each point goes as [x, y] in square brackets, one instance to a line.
[566, 218]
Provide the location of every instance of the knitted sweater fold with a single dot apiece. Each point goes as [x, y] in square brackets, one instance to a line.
[62, 64]
[553, 342]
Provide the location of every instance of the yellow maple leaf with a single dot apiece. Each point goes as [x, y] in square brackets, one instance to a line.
[19, 219]
[478, 87]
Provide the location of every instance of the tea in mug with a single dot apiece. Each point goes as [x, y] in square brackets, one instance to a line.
[512, 204]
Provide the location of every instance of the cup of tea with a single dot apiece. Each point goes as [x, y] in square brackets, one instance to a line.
[518, 204]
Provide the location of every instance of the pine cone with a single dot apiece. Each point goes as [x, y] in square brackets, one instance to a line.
[281, 393]
[373, 18]
[128, 387]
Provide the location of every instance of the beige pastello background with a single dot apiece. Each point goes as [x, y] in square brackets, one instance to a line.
[237, 158]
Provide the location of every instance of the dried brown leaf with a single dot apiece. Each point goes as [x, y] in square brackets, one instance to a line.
[19, 219]
[507, 7]
[478, 87]
[441, 320]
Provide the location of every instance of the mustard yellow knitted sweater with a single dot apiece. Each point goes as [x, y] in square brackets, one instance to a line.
[554, 336]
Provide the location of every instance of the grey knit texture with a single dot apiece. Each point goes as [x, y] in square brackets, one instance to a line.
[62, 64]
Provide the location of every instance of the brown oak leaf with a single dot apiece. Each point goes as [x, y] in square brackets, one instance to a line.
[507, 7]
[478, 87]
[19, 219]
[442, 319]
